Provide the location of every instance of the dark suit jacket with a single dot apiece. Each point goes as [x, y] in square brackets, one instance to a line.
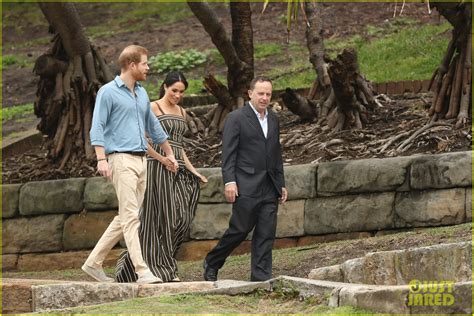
[247, 156]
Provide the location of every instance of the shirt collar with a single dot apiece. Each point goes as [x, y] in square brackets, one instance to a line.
[256, 112]
[119, 82]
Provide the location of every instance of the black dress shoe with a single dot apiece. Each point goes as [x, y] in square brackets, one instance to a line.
[210, 274]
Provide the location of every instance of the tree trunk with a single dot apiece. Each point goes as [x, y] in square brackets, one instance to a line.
[70, 73]
[349, 111]
[238, 78]
[345, 94]
[237, 53]
[451, 81]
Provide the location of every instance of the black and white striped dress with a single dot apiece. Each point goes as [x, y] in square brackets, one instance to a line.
[168, 209]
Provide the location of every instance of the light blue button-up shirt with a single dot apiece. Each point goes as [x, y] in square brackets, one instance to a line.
[121, 119]
[263, 122]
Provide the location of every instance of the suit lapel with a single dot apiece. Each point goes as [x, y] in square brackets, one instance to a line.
[271, 125]
[253, 119]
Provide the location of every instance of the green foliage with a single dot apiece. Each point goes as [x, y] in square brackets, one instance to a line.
[15, 112]
[15, 60]
[399, 51]
[266, 50]
[181, 60]
[296, 78]
[9, 60]
[410, 54]
[282, 18]
[195, 86]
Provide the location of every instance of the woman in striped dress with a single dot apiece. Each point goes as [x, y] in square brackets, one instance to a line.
[171, 198]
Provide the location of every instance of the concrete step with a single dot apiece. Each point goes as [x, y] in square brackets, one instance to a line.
[32, 295]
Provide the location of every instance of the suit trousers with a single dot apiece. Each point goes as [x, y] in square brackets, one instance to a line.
[129, 179]
[250, 212]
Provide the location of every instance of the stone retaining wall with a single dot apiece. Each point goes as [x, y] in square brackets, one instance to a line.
[333, 200]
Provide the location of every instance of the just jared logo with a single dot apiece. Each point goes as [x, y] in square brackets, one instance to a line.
[430, 293]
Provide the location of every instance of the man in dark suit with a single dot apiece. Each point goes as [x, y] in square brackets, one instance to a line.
[252, 168]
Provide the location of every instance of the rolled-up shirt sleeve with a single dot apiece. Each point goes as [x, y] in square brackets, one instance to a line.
[102, 109]
[154, 129]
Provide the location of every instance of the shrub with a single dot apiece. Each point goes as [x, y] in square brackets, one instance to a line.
[181, 60]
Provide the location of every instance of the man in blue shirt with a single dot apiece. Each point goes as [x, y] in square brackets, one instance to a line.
[122, 116]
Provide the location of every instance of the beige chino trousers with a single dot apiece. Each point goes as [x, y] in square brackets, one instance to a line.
[129, 179]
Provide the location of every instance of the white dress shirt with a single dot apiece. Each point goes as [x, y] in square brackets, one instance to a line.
[263, 121]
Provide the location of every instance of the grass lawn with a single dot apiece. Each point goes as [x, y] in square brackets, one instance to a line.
[258, 302]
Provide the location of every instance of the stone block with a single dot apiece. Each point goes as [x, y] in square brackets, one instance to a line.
[353, 270]
[99, 194]
[358, 176]
[290, 219]
[349, 213]
[451, 262]
[300, 180]
[10, 200]
[468, 205]
[82, 231]
[59, 296]
[213, 190]
[398, 267]
[52, 197]
[16, 298]
[441, 171]
[430, 208]
[62, 260]
[9, 262]
[35, 234]
[387, 300]
[211, 221]
[379, 268]
[330, 273]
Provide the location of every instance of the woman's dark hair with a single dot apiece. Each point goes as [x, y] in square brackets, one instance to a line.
[171, 78]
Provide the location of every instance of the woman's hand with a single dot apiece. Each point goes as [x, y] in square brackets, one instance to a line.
[168, 164]
[202, 178]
